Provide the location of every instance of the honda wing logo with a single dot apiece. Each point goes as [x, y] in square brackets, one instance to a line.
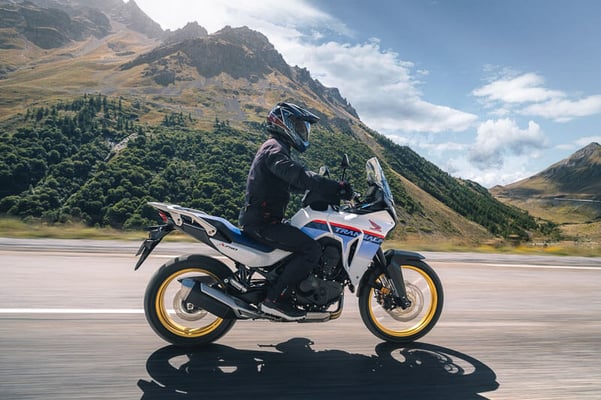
[375, 226]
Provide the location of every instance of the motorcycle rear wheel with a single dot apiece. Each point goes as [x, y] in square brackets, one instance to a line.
[170, 317]
[394, 324]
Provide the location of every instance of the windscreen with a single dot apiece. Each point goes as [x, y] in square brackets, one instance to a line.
[375, 176]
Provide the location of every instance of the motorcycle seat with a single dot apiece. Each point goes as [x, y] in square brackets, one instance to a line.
[235, 234]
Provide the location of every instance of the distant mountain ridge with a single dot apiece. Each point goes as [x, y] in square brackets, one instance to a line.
[146, 92]
[578, 176]
[568, 192]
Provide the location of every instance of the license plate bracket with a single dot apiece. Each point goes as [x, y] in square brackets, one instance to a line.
[156, 234]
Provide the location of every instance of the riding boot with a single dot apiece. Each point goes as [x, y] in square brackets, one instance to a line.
[277, 303]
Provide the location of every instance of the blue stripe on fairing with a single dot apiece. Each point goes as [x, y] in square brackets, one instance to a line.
[314, 229]
[317, 225]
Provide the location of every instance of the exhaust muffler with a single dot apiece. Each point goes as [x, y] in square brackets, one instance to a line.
[199, 293]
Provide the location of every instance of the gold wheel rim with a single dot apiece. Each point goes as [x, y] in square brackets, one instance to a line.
[166, 320]
[425, 320]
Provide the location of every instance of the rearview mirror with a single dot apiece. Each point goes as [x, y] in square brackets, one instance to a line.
[344, 164]
[345, 161]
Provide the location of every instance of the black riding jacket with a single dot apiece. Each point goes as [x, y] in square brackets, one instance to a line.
[272, 177]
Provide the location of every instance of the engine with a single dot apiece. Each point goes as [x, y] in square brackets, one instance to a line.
[318, 292]
[330, 261]
[322, 288]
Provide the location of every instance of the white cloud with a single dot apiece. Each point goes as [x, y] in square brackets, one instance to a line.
[444, 147]
[520, 89]
[526, 95]
[565, 110]
[498, 138]
[393, 112]
[382, 87]
[516, 170]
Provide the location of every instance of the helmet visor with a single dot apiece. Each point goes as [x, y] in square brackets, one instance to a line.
[297, 126]
[302, 129]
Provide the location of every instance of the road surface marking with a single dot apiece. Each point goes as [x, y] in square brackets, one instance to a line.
[71, 311]
[543, 266]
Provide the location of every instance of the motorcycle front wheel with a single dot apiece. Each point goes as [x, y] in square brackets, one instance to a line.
[173, 319]
[392, 323]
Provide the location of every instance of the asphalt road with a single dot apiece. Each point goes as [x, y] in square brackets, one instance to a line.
[72, 327]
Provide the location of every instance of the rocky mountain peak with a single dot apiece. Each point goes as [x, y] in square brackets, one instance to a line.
[246, 37]
[261, 54]
[191, 31]
[238, 52]
[134, 18]
[590, 153]
[587, 158]
[330, 95]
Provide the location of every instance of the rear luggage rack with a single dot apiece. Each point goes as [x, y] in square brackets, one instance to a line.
[176, 213]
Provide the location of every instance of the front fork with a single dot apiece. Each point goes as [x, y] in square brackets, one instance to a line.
[390, 263]
[396, 275]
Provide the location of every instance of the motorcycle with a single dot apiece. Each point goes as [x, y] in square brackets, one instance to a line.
[196, 299]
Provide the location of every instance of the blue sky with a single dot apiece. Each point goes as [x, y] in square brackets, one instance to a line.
[492, 91]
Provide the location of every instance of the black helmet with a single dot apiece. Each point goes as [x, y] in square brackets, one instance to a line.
[291, 122]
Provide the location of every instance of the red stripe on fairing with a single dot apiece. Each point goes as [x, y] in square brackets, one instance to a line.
[350, 228]
[378, 235]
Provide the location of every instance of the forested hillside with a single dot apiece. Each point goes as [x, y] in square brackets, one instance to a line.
[90, 160]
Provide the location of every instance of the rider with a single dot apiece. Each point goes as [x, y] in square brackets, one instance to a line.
[272, 176]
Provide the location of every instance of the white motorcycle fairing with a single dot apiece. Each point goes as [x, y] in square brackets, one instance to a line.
[359, 236]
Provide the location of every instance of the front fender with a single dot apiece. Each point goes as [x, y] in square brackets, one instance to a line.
[399, 256]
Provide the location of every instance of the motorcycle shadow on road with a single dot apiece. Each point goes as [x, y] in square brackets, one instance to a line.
[293, 370]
